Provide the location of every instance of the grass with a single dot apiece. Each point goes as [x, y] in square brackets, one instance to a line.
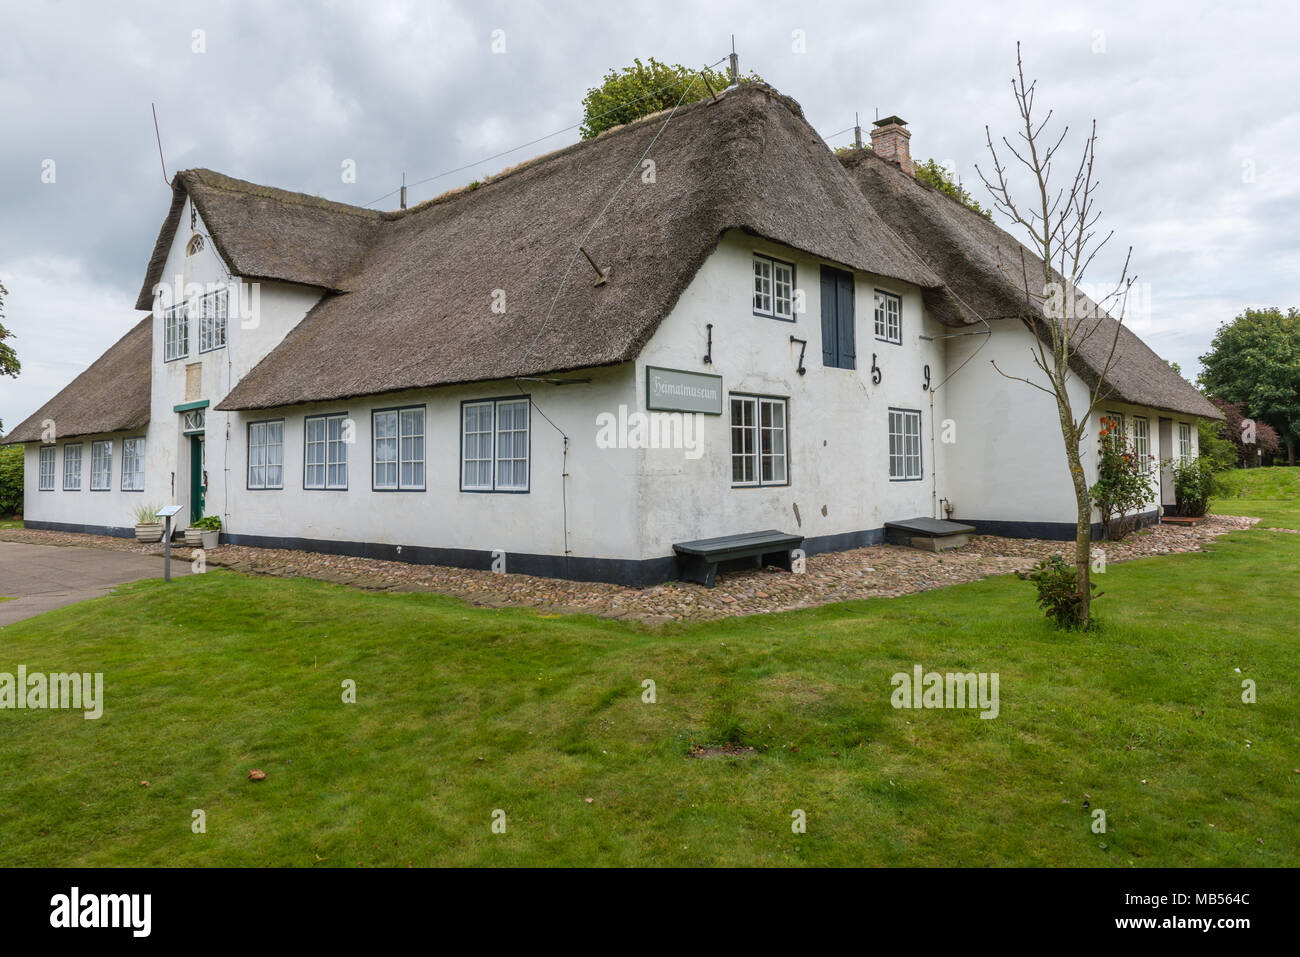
[11, 523]
[462, 711]
[1271, 494]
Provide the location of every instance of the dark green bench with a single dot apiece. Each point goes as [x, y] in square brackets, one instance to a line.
[698, 561]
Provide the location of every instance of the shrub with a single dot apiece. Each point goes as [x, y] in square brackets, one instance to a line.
[1218, 451]
[209, 522]
[1124, 483]
[1196, 483]
[11, 480]
[1058, 592]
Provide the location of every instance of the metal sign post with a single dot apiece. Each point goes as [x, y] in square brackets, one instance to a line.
[166, 514]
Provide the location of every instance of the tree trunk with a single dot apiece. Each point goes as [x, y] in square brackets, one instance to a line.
[1082, 531]
[1290, 451]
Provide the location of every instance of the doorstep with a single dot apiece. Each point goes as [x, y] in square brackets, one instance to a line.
[1182, 519]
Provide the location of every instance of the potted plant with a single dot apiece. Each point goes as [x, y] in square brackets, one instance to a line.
[206, 532]
[147, 526]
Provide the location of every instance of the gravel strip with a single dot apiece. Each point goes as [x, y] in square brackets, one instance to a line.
[873, 572]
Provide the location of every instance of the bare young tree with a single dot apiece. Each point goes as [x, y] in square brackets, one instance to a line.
[1060, 222]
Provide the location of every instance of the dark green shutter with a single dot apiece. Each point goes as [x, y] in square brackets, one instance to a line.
[848, 353]
[829, 296]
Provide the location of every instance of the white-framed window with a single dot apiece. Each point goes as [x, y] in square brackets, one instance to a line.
[773, 288]
[1184, 442]
[904, 445]
[1114, 421]
[266, 454]
[759, 441]
[1142, 441]
[212, 320]
[398, 449]
[101, 465]
[889, 317]
[494, 445]
[325, 458]
[45, 482]
[72, 467]
[176, 332]
[133, 464]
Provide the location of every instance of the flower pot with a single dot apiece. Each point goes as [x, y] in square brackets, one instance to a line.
[194, 537]
[149, 532]
[210, 536]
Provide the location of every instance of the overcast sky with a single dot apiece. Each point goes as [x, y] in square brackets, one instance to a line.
[1199, 135]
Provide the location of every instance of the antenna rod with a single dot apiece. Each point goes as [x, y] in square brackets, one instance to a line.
[158, 137]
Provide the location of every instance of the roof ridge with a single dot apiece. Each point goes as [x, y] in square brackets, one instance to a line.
[231, 184]
[853, 156]
[555, 154]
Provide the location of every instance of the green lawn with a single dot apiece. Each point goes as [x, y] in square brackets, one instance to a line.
[11, 523]
[461, 711]
[1272, 494]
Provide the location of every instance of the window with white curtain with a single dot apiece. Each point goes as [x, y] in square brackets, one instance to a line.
[266, 454]
[46, 481]
[176, 332]
[325, 458]
[1184, 441]
[494, 447]
[1142, 442]
[72, 467]
[398, 449]
[212, 320]
[101, 465]
[133, 464]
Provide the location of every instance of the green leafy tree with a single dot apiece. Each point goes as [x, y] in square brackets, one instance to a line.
[11, 480]
[9, 364]
[645, 88]
[932, 174]
[1254, 363]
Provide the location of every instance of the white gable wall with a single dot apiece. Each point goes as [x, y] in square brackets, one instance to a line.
[838, 438]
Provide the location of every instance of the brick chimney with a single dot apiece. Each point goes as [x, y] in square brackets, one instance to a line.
[889, 139]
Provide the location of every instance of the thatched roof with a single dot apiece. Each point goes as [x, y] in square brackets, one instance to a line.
[112, 395]
[982, 265]
[416, 311]
[265, 233]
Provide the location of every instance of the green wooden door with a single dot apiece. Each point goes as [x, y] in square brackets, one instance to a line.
[197, 485]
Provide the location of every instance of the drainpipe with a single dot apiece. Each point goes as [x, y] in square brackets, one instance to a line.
[934, 466]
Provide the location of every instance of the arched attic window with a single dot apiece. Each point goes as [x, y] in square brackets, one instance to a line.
[195, 246]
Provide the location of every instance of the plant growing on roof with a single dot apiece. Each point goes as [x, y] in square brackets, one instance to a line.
[644, 88]
[1059, 222]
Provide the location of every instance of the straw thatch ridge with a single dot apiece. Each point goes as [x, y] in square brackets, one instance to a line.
[111, 395]
[266, 233]
[982, 265]
[418, 312]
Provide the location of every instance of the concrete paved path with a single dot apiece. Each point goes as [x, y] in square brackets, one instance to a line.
[42, 577]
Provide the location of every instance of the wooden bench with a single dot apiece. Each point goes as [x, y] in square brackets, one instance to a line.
[698, 561]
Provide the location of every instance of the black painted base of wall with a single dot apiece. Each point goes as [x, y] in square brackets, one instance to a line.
[110, 530]
[1049, 531]
[619, 571]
